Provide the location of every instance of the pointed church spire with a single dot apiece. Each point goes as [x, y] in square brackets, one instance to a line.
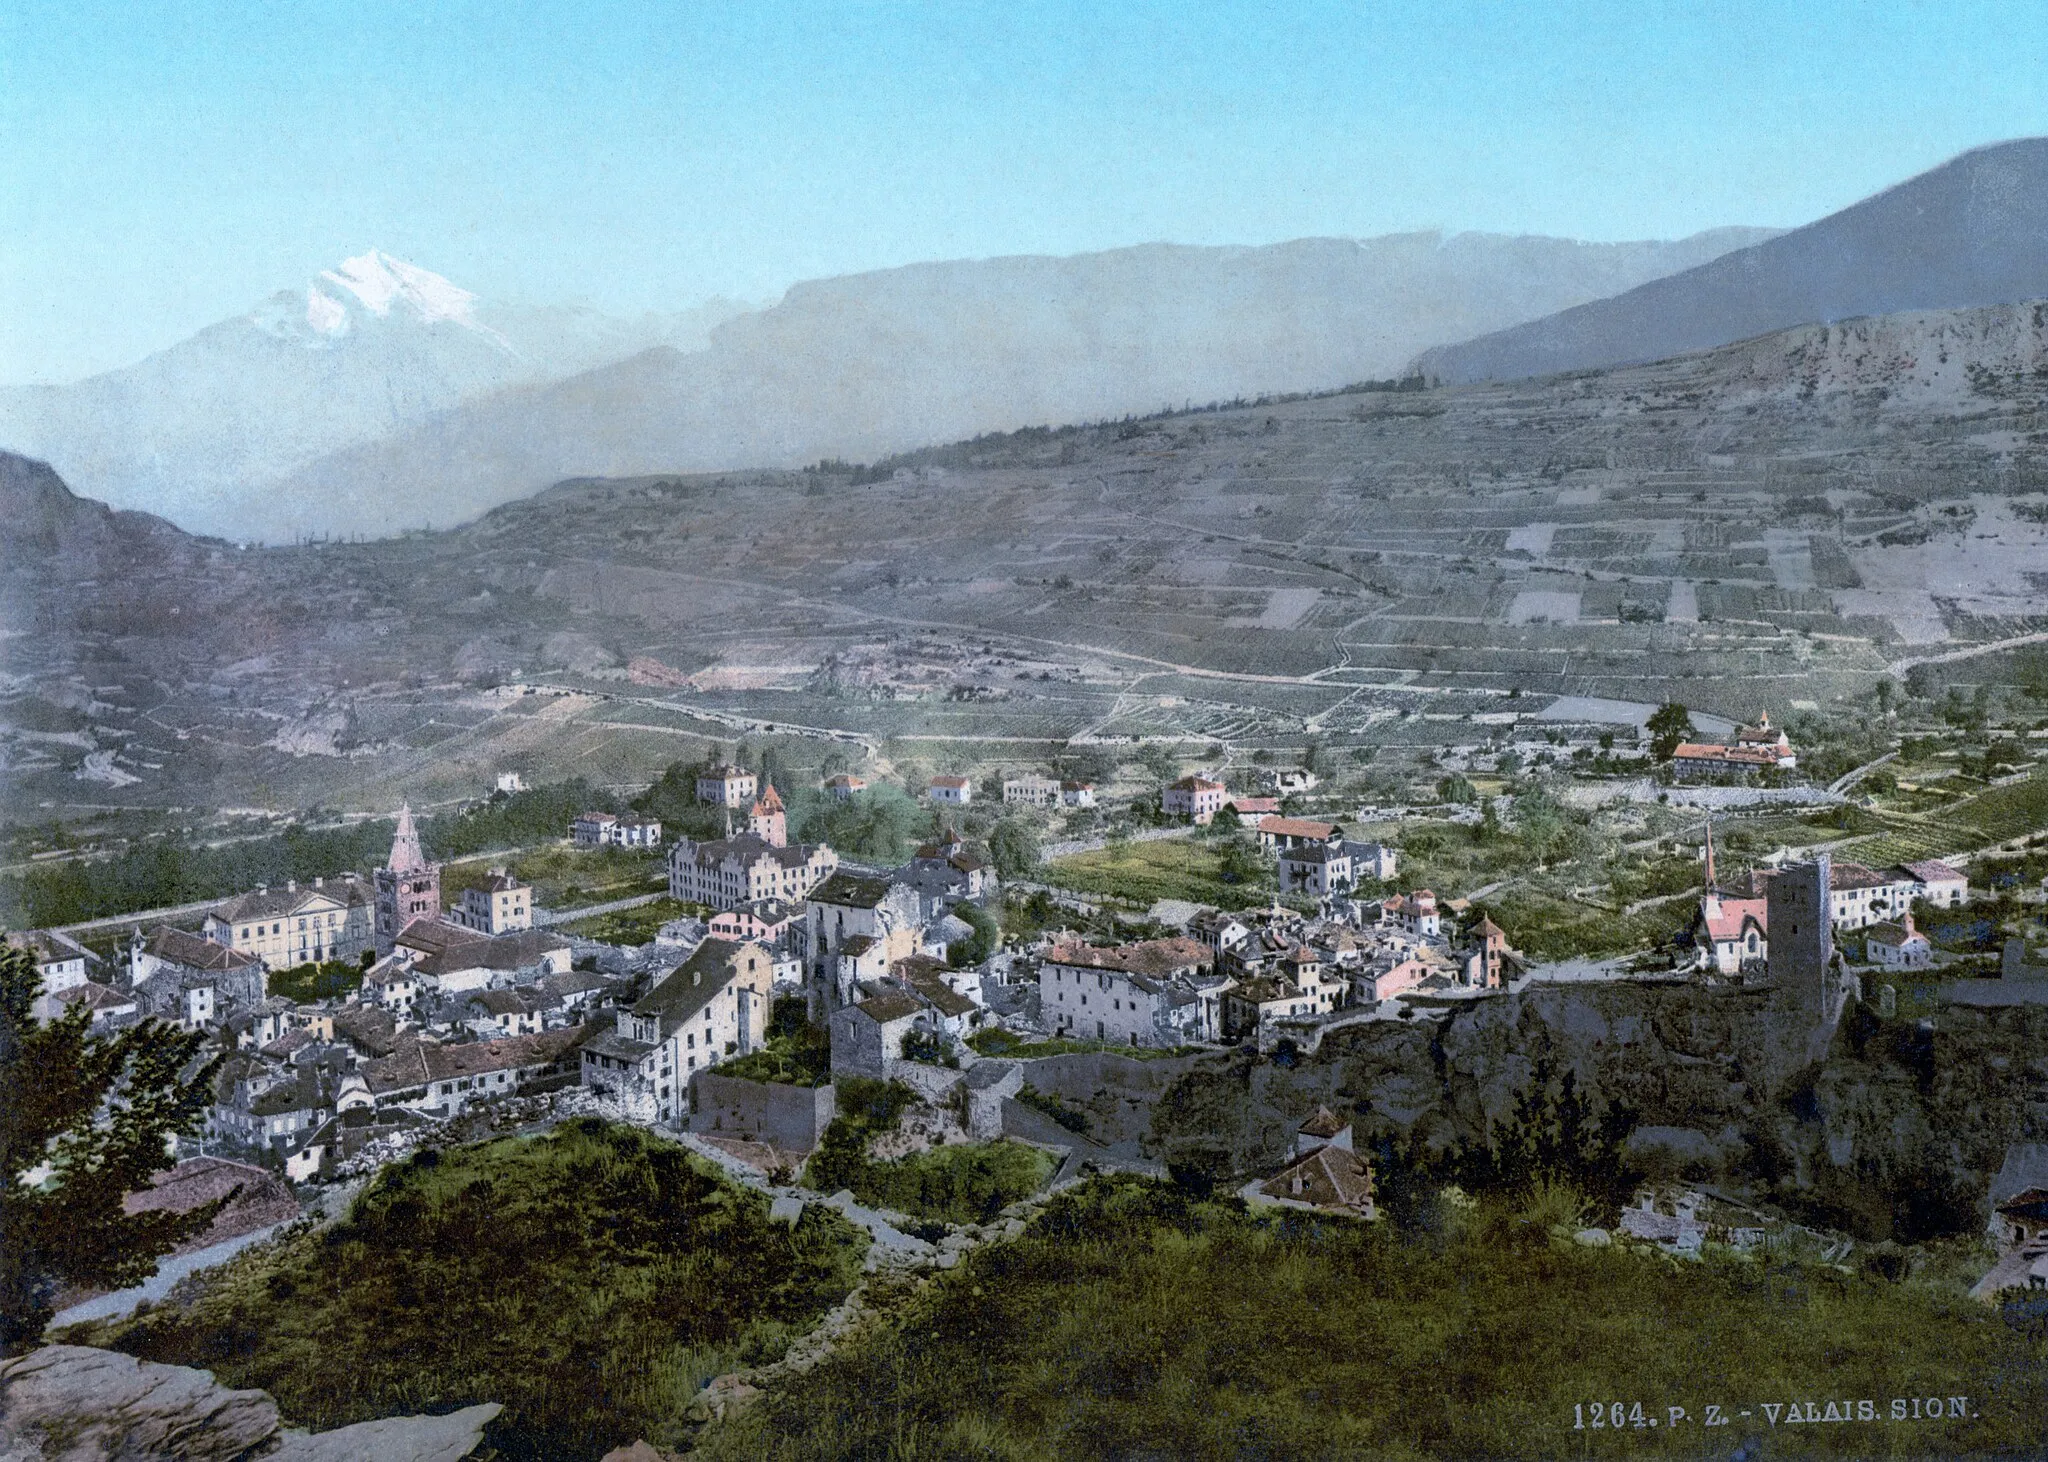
[406, 853]
[1713, 884]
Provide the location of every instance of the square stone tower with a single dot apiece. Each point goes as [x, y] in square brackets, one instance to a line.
[1800, 931]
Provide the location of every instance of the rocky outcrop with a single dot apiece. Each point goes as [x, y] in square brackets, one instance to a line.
[1891, 1134]
[71, 1403]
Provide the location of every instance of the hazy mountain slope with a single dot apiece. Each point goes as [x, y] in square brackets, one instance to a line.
[362, 351]
[1783, 517]
[68, 561]
[45, 527]
[869, 364]
[1914, 359]
[1973, 231]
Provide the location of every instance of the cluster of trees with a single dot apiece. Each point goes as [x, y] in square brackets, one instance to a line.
[167, 872]
[327, 980]
[798, 1050]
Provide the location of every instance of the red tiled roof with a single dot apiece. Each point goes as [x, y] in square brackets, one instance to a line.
[1735, 917]
[190, 950]
[1733, 755]
[1298, 827]
[1331, 1177]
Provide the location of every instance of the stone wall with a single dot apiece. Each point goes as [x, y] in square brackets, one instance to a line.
[933, 1084]
[791, 1117]
[989, 1085]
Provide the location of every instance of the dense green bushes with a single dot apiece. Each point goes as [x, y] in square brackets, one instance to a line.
[797, 1052]
[591, 1280]
[1135, 1321]
[954, 1184]
[328, 980]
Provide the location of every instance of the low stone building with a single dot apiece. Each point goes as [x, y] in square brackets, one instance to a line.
[869, 1035]
[1897, 946]
[1327, 1173]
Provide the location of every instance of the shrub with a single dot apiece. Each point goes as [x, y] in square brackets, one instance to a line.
[591, 1280]
[1136, 1319]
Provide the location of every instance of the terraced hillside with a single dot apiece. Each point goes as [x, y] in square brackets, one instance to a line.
[1741, 528]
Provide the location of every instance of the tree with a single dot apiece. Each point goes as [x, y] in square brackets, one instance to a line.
[89, 1119]
[1013, 848]
[1668, 725]
[1161, 761]
[966, 953]
[1555, 1132]
[1456, 789]
[1240, 861]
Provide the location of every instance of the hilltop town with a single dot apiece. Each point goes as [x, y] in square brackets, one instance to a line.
[367, 1014]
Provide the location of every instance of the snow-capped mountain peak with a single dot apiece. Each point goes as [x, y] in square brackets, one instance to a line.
[380, 281]
[372, 284]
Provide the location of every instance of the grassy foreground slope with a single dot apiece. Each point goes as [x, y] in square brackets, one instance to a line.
[1135, 1322]
[591, 1279]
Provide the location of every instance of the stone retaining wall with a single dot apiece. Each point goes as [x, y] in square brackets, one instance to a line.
[791, 1117]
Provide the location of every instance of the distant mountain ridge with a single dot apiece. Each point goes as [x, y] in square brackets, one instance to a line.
[360, 352]
[866, 365]
[1971, 232]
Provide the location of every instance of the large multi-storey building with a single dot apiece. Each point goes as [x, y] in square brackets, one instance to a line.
[727, 872]
[502, 905]
[1149, 994]
[727, 786]
[855, 926]
[1196, 798]
[713, 1006]
[296, 925]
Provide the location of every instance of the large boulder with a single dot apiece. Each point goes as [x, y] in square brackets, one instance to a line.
[71, 1403]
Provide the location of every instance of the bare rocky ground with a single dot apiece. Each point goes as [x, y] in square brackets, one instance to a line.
[71, 1403]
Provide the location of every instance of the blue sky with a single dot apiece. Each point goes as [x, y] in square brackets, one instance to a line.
[163, 166]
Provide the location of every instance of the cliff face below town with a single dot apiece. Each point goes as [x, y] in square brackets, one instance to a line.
[1892, 1135]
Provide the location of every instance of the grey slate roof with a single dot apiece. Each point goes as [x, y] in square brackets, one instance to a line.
[692, 984]
[851, 890]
